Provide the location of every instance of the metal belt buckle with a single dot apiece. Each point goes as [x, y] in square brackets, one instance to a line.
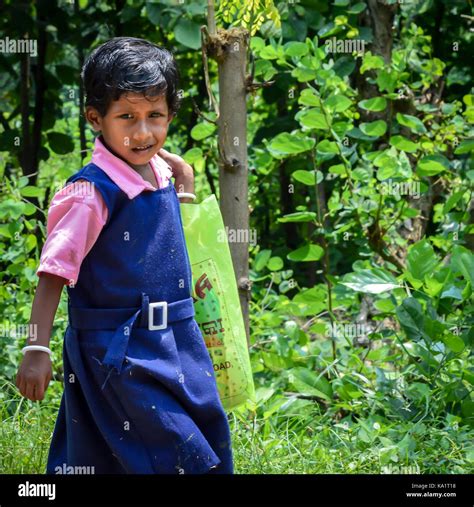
[164, 307]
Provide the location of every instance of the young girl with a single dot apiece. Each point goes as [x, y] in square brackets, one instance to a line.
[140, 394]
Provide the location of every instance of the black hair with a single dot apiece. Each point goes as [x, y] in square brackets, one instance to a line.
[128, 64]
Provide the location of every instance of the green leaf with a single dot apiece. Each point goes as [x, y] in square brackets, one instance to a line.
[463, 261]
[304, 74]
[411, 318]
[306, 253]
[373, 281]
[29, 209]
[387, 164]
[326, 146]
[307, 382]
[338, 169]
[387, 80]
[313, 119]
[188, 33]
[412, 122]
[344, 66]
[261, 259]
[375, 104]
[375, 128]
[295, 48]
[338, 103]
[370, 61]
[202, 130]
[357, 8]
[431, 165]
[299, 216]
[452, 201]
[275, 263]
[465, 147]
[454, 342]
[285, 144]
[22, 182]
[306, 177]
[31, 191]
[5, 231]
[385, 305]
[30, 242]
[11, 209]
[404, 144]
[421, 259]
[269, 53]
[309, 98]
[60, 143]
[193, 155]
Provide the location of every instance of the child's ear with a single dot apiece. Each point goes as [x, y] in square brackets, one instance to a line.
[93, 117]
[170, 117]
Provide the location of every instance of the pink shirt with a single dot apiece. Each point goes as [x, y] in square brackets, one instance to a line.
[76, 215]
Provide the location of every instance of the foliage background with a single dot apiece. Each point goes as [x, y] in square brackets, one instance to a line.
[362, 296]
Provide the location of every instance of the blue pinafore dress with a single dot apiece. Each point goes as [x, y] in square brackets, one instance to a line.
[140, 394]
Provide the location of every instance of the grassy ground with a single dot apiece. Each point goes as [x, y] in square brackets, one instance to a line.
[275, 445]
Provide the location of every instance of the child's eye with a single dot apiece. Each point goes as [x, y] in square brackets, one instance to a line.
[126, 115]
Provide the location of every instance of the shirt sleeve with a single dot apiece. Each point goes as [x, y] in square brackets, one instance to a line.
[76, 216]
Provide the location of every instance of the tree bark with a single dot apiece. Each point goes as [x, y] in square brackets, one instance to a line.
[229, 48]
[40, 88]
[82, 119]
[379, 18]
[25, 152]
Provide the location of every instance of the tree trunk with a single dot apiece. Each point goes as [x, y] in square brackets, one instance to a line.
[82, 119]
[229, 48]
[40, 87]
[25, 152]
[379, 18]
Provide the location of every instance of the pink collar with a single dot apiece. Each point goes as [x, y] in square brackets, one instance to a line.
[123, 175]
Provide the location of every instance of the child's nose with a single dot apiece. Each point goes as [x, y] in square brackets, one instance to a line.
[142, 132]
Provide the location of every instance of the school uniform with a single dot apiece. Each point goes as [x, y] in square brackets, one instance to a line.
[140, 394]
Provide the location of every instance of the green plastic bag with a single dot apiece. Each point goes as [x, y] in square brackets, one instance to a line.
[216, 301]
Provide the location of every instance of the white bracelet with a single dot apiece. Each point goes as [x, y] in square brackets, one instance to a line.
[36, 347]
[187, 194]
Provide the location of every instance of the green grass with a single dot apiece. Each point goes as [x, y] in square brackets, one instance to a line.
[323, 447]
[25, 432]
[274, 445]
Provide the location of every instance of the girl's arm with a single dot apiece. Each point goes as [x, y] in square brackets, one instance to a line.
[182, 172]
[35, 371]
[63, 252]
[184, 182]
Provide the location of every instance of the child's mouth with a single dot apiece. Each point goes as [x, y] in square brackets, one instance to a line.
[143, 149]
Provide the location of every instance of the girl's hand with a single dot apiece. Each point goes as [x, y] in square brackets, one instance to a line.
[34, 375]
[183, 173]
[178, 165]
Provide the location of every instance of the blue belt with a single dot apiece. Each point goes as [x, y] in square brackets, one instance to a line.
[123, 319]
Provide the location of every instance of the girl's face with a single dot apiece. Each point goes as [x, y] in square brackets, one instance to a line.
[133, 122]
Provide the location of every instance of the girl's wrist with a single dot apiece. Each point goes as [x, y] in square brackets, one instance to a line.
[186, 197]
[39, 348]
